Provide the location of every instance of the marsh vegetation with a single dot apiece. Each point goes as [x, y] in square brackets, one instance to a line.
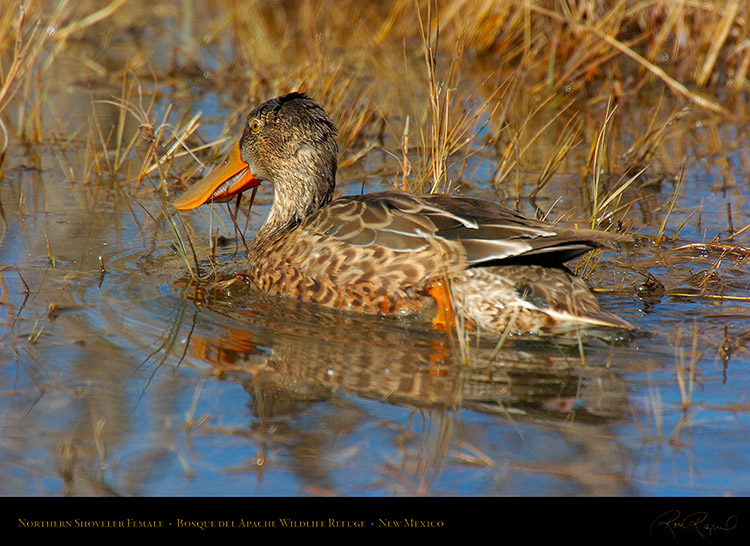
[133, 362]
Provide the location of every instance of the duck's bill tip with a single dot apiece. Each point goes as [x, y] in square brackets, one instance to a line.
[226, 181]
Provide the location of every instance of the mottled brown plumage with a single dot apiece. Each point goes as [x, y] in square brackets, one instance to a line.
[383, 253]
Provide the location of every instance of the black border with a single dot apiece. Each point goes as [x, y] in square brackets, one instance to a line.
[658, 520]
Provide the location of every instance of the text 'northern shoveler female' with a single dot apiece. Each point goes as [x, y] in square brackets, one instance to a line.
[396, 253]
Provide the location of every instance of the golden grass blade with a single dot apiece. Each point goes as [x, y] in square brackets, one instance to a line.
[673, 84]
[727, 19]
[89, 20]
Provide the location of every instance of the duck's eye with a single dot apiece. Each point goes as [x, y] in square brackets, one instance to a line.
[255, 126]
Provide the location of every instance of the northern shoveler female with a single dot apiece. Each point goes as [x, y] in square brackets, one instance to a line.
[392, 252]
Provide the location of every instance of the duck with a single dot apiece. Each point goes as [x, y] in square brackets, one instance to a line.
[449, 258]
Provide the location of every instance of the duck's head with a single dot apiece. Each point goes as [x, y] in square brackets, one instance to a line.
[288, 141]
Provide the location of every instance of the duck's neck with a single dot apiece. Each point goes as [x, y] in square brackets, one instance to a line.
[295, 198]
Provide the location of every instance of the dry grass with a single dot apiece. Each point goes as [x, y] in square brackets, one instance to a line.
[505, 97]
[416, 68]
[32, 35]
[435, 87]
[616, 42]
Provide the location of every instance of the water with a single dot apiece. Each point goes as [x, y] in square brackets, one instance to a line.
[119, 377]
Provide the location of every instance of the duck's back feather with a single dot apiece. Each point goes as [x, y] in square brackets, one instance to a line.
[487, 233]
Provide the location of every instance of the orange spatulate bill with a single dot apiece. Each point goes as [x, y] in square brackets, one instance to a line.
[223, 183]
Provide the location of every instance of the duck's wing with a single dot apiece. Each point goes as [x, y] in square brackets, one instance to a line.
[486, 232]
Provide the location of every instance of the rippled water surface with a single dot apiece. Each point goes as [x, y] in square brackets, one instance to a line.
[120, 376]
